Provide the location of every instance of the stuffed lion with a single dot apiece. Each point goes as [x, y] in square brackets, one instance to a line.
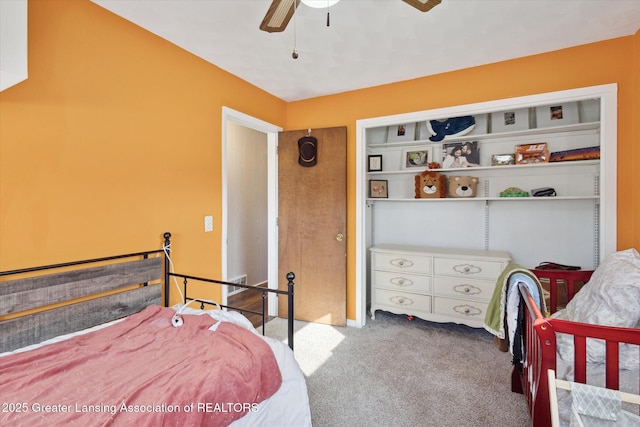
[431, 185]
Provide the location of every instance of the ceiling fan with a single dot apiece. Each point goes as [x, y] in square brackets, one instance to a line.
[281, 11]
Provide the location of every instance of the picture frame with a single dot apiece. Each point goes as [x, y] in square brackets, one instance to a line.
[510, 120]
[377, 135]
[503, 159]
[404, 132]
[470, 159]
[378, 189]
[482, 124]
[560, 114]
[416, 157]
[374, 163]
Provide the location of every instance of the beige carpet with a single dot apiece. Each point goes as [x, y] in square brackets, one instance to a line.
[396, 372]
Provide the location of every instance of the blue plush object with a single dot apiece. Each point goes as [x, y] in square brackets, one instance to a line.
[455, 126]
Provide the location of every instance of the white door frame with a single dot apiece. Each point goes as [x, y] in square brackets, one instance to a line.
[230, 115]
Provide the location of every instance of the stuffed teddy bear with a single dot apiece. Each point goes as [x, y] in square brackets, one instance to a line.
[462, 186]
[430, 185]
[454, 126]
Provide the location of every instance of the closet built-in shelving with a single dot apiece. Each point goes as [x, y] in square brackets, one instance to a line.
[575, 227]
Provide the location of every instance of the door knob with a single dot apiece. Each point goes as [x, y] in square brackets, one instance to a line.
[340, 237]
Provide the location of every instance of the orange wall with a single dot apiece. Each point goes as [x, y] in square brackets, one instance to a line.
[633, 226]
[113, 139]
[116, 135]
[594, 64]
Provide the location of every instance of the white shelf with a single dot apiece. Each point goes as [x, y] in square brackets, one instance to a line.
[590, 126]
[485, 199]
[417, 171]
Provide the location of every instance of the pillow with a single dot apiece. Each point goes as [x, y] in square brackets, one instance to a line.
[610, 298]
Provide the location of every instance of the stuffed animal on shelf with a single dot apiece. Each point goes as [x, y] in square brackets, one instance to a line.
[454, 126]
[431, 185]
[462, 186]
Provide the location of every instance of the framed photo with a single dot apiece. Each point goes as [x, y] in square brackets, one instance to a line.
[503, 159]
[375, 163]
[378, 188]
[416, 157]
[557, 115]
[377, 135]
[402, 132]
[509, 121]
[460, 155]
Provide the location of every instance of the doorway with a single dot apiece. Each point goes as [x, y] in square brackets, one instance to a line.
[233, 122]
[312, 275]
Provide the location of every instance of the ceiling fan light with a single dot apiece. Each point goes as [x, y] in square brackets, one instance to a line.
[320, 3]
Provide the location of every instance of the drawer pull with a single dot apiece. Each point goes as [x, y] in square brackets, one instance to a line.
[467, 289]
[467, 269]
[467, 310]
[401, 281]
[401, 300]
[401, 262]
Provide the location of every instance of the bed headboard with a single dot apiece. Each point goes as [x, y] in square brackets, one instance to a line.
[53, 300]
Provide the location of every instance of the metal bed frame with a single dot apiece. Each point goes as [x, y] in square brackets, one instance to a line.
[119, 307]
[263, 291]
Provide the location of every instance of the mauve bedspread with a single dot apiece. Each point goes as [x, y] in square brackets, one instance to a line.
[141, 371]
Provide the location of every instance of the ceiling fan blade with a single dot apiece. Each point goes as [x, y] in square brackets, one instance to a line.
[278, 15]
[423, 5]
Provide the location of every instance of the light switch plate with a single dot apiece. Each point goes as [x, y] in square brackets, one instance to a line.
[208, 223]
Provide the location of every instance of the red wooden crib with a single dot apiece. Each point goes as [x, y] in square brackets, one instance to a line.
[540, 337]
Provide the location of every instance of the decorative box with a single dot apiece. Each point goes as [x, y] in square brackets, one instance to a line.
[462, 186]
[587, 153]
[431, 185]
[532, 153]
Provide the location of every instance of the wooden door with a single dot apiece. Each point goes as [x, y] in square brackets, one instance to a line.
[312, 225]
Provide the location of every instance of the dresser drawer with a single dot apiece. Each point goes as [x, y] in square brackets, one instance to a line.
[402, 262]
[470, 310]
[467, 268]
[402, 281]
[410, 302]
[465, 288]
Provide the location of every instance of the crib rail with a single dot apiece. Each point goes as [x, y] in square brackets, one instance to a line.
[540, 342]
[540, 345]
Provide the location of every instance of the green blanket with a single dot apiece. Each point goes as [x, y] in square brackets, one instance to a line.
[494, 316]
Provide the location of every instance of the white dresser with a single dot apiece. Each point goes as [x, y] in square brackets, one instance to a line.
[436, 284]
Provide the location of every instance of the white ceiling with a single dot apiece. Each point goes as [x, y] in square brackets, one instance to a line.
[373, 42]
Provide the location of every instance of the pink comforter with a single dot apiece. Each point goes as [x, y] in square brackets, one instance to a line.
[143, 372]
